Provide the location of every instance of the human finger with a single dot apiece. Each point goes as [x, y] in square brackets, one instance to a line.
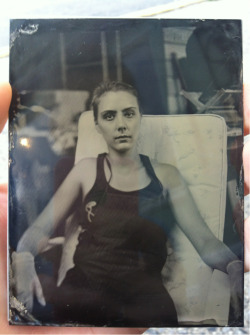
[247, 245]
[5, 98]
[246, 99]
[246, 150]
[39, 291]
[246, 163]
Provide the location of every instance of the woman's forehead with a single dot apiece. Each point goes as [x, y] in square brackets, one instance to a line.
[117, 99]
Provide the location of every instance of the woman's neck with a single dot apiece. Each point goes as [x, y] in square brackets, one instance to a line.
[127, 171]
[125, 161]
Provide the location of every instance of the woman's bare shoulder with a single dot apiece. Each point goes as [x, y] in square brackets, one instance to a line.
[85, 171]
[168, 174]
[86, 162]
[86, 167]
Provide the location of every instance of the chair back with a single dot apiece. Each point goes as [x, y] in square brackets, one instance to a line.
[197, 146]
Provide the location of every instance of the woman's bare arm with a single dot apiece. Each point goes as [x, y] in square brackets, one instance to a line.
[213, 252]
[36, 237]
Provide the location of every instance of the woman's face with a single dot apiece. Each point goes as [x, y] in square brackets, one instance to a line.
[118, 120]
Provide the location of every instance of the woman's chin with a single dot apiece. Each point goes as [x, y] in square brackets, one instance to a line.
[123, 148]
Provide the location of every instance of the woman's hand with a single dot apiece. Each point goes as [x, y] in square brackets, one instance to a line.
[25, 280]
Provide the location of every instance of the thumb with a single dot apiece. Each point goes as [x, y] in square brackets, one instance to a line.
[39, 291]
[5, 97]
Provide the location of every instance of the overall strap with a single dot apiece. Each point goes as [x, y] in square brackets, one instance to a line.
[101, 181]
[98, 191]
[150, 170]
[100, 173]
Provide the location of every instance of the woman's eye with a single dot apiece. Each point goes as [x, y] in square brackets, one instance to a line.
[109, 116]
[129, 113]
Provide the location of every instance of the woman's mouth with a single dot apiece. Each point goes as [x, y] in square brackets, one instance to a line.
[122, 137]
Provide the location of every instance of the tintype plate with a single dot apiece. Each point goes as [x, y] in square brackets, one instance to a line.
[150, 251]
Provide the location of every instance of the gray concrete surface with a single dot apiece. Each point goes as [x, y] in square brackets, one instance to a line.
[68, 8]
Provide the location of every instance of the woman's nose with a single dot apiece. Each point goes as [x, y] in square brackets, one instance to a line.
[120, 122]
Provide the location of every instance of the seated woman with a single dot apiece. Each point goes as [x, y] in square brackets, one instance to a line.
[128, 207]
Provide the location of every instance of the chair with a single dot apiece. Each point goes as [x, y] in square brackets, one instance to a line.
[197, 146]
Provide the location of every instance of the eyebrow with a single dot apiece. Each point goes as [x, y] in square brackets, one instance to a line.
[128, 108]
[114, 111]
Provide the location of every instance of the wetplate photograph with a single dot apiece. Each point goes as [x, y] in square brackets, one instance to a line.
[125, 173]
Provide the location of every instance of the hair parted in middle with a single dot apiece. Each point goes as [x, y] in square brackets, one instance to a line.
[110, 86]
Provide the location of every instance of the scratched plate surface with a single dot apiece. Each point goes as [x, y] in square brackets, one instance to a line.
[178, 67]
